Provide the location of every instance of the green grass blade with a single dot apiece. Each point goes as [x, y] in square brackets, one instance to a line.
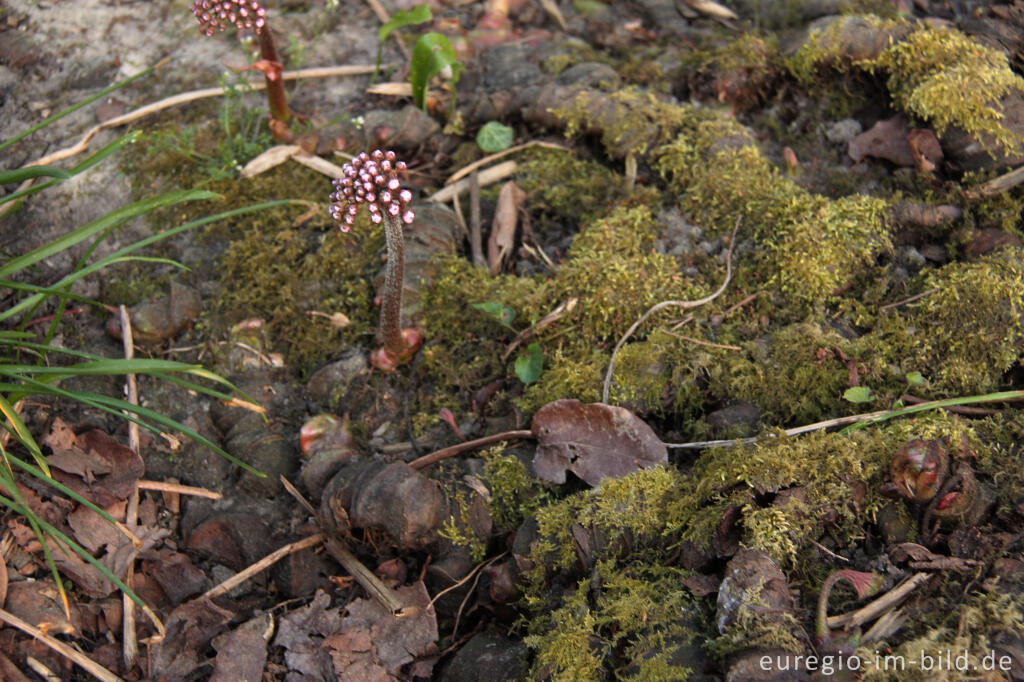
[48, 291]
[935, 404]
[49, 530]
[75, 107]
[22, 174]
[89, 269]
[22, 433]
[124, 409]
[54, 483]
[80, 168]
[114, 218]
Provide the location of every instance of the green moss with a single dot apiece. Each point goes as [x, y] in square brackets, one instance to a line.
[810, 245]
[458, 528]
[970, 330]
[642, 613]
[742, 72]
[568, 373]
[466, 345]
[630, 121]
[633, 504]
[282, 274]
[792, 375]
[944, 76]
[562, 188]
[617, 274]
[515, 495]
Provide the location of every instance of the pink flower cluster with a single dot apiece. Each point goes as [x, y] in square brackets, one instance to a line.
[371, 179]
[216, 15]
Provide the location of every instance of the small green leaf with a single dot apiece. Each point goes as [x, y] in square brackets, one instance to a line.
[411, 17]
[431, 54]
[501, 313]
[529, 367]
[915, 378]
[494, 137]
[858, 394]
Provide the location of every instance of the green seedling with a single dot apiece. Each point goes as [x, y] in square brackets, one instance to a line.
[417, 15]
[433, 55]
[858, 394]
[530, 366]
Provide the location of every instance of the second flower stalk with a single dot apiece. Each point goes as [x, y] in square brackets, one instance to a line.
[372, 179]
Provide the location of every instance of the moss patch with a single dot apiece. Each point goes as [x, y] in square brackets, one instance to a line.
[944, 76]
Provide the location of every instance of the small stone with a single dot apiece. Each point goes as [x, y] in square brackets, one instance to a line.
[841, 132]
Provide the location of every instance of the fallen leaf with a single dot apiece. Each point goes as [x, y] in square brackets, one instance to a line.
[95, 465]
[373, 644]
[503, 229]
[244, 653]
[274, 156]
[885, 140]
[190, 628]
[593, 441]
[301, 634]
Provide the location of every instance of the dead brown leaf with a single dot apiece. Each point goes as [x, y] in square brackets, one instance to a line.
[503, 229]
[374, 644]
[593, 441]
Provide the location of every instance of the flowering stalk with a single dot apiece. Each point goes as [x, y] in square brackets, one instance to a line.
[217, 15]
[372, 179]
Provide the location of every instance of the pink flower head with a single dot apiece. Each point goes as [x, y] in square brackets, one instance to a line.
[371, 179]
[216, 15]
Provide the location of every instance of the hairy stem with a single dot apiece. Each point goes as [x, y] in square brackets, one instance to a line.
[277, 101]
[394, 281]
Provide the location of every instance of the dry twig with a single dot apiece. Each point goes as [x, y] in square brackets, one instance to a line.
[667, 304]
[87, 664]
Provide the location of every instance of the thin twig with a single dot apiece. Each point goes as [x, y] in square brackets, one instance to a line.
[444, 453]
[164, 487]
[996, 185]
[488, 176]
[89, 665]
[563, 309]
[130, 642]
[371, 583]
[665, 304]
[469, 575]
[476, 240]
[294, 492]
[261, 565]
[806, 428]
[466, 170]
[828, 551]
[905, 301]
[699, 342]
[185, 98]
[879, 606]
[1005, 396]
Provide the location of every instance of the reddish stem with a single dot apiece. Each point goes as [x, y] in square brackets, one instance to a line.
[394, 282]
[438, 455]
[277, 101]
